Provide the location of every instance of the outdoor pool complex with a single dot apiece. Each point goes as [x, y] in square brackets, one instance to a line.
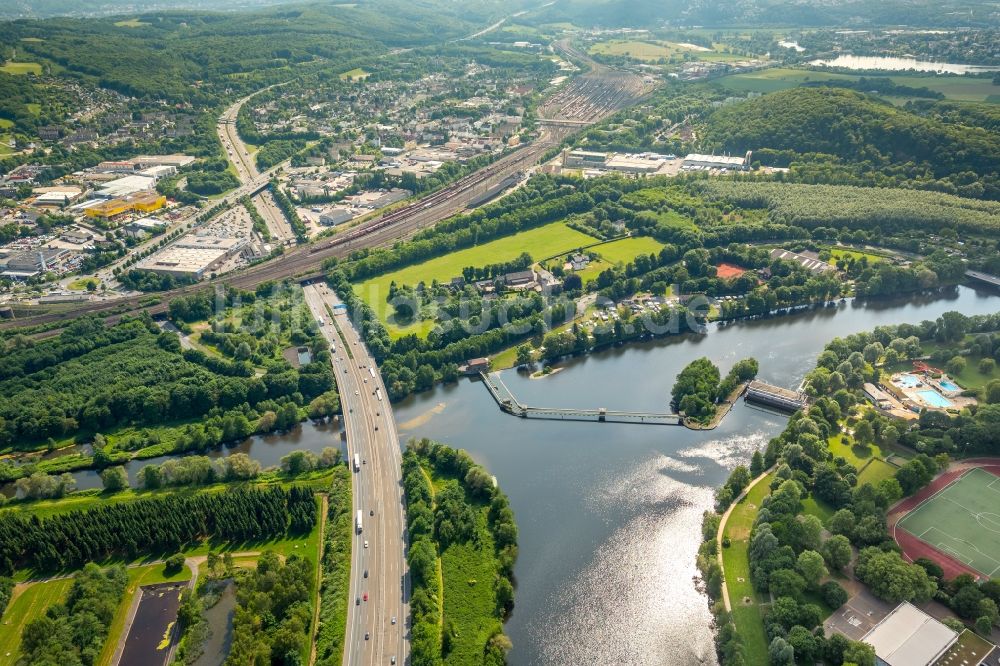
[908, 381]
[935, 399]
[949, 386]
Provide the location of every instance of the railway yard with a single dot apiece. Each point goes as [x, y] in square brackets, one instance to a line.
[584, 100]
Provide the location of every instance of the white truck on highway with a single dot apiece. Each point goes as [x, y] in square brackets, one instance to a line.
[357, 463]
[359, 521]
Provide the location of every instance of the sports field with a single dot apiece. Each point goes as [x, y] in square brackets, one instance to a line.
[962, 521]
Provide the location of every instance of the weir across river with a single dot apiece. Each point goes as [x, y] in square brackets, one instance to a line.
[508, 403]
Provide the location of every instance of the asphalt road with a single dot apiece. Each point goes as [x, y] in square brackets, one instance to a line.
[372, 637]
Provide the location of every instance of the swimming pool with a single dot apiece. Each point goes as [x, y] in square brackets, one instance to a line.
[934, 399]
[908, 381]
[949, 386]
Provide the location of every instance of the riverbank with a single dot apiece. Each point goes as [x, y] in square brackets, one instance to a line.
[720, 411]
[462, 568]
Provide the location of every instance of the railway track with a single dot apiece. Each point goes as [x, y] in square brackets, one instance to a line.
[591, 98]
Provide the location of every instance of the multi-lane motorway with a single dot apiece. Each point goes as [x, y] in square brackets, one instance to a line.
[378, 615]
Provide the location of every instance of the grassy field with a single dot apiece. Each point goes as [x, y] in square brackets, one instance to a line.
[953, 87]
[736, 562]
[81, 284]
[624, 250]
[30, 604]
[356, 74]
[840, 253]
[812, 506]
[875, 471]
[137, 577]
[21, 68]
[655, 50]
[844, 446]
[469, 605]
[6, 124]
[544, 241]
[131, 23]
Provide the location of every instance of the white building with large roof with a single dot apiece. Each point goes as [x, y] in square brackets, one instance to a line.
[909, 637]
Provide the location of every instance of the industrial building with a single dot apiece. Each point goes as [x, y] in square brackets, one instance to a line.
[633, 164]
[584, 159]
[146, 202]
[29, 263]
[910, 637]
[57, 198]
[192, 256]
[176, 161]
[335, 215]
[158, 172]
[699, 161]
[122, 187]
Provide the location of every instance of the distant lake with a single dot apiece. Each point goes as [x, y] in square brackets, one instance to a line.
[901, 65]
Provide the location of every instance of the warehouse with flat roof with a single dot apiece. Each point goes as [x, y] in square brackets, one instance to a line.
[909, 637]
[192, 256]
[700, 161]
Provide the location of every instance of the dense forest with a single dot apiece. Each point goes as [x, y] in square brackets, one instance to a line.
[813, 206]
[809, 124]
[273, 611]
[162, 525]
[190, 56]
[94, 377]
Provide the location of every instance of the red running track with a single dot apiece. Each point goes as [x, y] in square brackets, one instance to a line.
[913, 547]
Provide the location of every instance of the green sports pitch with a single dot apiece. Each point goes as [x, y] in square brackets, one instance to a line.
[963, 521]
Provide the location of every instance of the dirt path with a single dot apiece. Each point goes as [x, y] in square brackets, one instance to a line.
[323, 508]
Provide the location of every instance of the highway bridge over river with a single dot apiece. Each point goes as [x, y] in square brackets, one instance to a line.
[378, 616]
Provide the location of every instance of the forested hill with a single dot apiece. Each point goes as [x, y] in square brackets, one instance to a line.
[633, 13]
[196, 56]
[857, 129]
[472, 10]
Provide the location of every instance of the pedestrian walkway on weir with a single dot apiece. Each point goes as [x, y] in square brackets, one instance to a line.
[510, 404]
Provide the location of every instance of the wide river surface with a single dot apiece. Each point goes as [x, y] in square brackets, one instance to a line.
[610, 514]
[895, 64]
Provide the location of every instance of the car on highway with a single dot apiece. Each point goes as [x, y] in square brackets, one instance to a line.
[394, 619]
[366, 543]
[366, 573]
[356, 392]
[366, 596]
[367, 635]
[371, 512]
[392, 660]
[357, 602]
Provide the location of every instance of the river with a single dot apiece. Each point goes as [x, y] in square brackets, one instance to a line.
[610, 514]
[894, 64]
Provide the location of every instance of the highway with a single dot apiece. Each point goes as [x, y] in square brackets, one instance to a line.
[246, 167]
[378, 553]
